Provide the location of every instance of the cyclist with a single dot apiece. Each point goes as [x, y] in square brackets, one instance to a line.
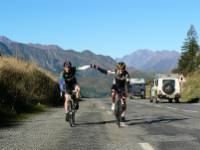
[68, 84]
[120, 84]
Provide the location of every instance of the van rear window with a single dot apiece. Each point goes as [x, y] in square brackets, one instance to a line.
[171, 82]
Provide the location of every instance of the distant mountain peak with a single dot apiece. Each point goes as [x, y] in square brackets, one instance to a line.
[150, 60]
[86, 51]
[144, 50]
[43, 46]
[4, 39]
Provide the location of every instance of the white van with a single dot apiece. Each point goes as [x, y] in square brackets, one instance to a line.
[165, 87]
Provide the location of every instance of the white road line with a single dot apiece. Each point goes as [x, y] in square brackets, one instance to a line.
[146, 146]
[171, 107]
[192, 111]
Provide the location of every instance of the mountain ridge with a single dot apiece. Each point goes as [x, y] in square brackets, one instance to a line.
[52, 56]
[152, 61]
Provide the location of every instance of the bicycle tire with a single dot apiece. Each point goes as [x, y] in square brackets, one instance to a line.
[118, 109]
[73, 113]
[70, 114]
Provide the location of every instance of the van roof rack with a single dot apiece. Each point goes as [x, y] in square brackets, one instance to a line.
[137, 80]
[170, 75]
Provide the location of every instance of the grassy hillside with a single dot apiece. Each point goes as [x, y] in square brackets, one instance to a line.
[23, 86]
[191, 89]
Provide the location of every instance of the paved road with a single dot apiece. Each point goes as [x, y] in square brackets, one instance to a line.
[149, 126]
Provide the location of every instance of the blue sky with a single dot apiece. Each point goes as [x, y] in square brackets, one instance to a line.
[108, 27]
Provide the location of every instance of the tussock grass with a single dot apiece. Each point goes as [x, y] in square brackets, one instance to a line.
[23, 85]
[191, 89]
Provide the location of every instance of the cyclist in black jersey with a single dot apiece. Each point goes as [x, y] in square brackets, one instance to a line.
[120, 83]
[68, 83]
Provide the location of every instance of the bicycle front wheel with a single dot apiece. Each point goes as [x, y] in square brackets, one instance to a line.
[70, 114]
[73, 117]
[118, 109]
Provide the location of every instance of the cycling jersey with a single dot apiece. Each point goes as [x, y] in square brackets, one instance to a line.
[120, 79]
[69, 77]
[68, 80]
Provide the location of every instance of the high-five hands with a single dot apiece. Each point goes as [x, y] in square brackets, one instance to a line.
[94, 66]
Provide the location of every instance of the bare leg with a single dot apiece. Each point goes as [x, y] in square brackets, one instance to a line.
[66, 104]
[77, 89]
[113, 100]
[124, 107]
[113, 96]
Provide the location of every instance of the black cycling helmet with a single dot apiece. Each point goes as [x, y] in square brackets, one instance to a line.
[121, 66]
[67, 64]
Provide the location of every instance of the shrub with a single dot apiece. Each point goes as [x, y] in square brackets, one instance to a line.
[25, 84]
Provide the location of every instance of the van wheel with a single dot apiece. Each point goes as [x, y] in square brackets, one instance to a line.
[157, 101]
[177, 100]
[170, 100]
[151, 99]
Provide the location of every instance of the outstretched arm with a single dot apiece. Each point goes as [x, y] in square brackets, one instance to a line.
[83, 67]
[102, 70]
[111, 72]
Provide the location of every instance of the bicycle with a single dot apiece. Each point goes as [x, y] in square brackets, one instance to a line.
[118, 107]
[72, 109]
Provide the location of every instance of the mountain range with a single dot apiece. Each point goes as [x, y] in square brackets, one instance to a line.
[152, 61]
[51, 57]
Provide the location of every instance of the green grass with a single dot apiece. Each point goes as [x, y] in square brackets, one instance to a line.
[191, 89]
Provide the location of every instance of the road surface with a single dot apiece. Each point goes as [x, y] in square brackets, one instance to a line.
[149, 126]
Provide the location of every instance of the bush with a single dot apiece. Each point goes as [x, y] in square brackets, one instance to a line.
[25, 84]
[191, 89]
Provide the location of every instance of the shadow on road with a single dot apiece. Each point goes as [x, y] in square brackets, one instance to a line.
[96, 123]
[189, 101]
[154, 120]
[10, 124]
[136, 121]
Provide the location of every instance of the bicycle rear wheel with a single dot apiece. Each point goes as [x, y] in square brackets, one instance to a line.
[73, 115]
[70, 114]
[118, 110]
